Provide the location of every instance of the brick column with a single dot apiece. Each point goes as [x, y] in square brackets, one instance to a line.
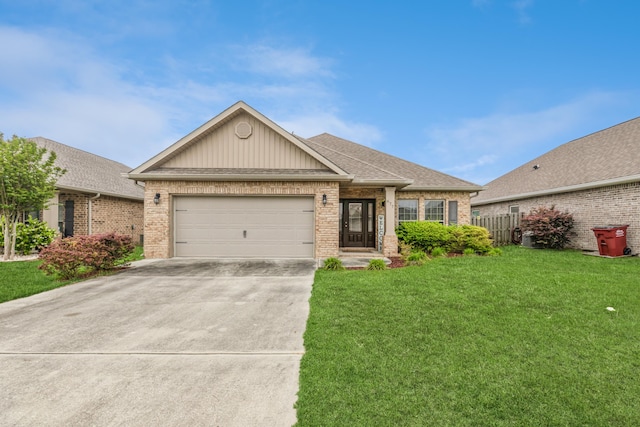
[390, 240]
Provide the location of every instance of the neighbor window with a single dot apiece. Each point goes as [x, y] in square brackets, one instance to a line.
[434, 210]
[514, 209]
[407, 210]
[475, 213]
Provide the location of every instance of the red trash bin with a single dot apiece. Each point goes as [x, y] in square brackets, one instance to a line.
[612, 239]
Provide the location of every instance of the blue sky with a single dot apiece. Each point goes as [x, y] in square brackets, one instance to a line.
[473, 88]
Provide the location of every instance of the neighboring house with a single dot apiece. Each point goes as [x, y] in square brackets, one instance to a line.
[93, 196]
[241, 186]
[596, 178]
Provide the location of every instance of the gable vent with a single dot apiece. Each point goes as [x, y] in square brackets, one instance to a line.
[243, 130]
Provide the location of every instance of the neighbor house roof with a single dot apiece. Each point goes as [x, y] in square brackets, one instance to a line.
[90, 173]
[340, 160]
[369, 165]
[607, 157]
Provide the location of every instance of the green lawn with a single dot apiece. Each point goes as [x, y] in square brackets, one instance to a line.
[521, 339]
[21, 279]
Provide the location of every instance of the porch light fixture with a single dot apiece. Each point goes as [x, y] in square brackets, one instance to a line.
[324, 200]
[156, 199]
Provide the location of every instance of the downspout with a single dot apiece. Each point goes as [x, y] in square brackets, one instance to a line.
[90, 209]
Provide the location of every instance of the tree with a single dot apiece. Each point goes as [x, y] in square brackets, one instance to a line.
[27, 182]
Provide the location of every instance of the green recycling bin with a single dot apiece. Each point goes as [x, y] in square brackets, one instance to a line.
[612, 240]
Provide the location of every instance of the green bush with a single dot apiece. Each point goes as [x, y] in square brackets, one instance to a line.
[469, 251]
[495, 252]
[469, 237]
[417, 258]
[30, 235]
[426, 236]
[376, 264]
[333, 264]
[438, 252]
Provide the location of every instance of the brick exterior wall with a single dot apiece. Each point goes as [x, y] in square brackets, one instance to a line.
[158, 241]
[463, 199]
[618, 204]
[109, 214]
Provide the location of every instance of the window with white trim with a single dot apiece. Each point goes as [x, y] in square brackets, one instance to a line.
[407, 210]
[434, 210]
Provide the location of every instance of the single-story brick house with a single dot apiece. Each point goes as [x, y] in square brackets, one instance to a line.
[241, 186]
[596, 178]
[93, 196]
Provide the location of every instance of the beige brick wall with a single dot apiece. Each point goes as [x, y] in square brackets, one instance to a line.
[109, 214]
[618, 204]
[158, 241]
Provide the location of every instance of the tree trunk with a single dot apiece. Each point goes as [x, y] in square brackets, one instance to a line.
[7, 238]
[14, 235]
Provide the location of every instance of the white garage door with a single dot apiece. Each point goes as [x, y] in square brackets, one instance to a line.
[244, 227]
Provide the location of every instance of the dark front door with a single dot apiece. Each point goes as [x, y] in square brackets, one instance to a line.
[357, 225]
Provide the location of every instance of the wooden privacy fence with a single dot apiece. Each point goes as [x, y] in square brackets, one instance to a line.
[500, 226]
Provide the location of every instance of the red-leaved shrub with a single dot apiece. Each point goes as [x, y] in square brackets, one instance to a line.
[549, 227]
[99, 252]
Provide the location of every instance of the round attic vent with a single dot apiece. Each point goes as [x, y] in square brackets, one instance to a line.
[243, 130]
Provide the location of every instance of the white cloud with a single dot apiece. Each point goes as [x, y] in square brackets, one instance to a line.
[522, 8]
[470, 147]
[57, 86]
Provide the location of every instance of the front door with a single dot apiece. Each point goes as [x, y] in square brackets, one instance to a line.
[357, 225]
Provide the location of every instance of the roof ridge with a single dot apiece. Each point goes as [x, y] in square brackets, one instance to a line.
[355, 158]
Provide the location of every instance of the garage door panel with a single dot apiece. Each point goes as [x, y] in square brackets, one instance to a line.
[268, 227]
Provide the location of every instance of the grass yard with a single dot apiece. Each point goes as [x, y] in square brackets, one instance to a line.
[521, 339]
[21, 279]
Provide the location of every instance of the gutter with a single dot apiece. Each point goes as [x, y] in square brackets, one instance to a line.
[239, 177]
[566, 189]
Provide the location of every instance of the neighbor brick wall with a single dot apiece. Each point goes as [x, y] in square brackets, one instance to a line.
[158, 239]
[618, 204]
[109, 214]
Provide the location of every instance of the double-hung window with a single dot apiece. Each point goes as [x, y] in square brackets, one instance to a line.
[434, 210]
[407, 210]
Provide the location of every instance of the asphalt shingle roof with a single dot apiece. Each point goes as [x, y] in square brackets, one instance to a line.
[369, 164]
[609, 154]
[91, 173]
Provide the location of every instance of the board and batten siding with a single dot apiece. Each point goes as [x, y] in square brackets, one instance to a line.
[263, 149]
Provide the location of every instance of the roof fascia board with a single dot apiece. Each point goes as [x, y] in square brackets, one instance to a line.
[469, 189]
[102, 193]
[567, 189]
[236, 177]
[220, 118]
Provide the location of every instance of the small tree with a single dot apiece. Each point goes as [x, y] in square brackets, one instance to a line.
[27, 181]
[549, 227]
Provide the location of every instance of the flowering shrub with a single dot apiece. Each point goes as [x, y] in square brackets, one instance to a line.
[73, 255]
[30, 235]
[549, 227]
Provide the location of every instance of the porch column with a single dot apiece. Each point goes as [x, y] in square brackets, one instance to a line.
[50, 214]
[390, 240]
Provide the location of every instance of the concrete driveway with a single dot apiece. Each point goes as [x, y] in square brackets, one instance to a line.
[172, 342]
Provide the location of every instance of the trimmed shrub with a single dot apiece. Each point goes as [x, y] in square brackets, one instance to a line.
[549, 227]
[424, 235]
[30, 235]
[376, 264]
[468, 252]
[333, 264]
[494, 252]
[69, 257]
[469, 237]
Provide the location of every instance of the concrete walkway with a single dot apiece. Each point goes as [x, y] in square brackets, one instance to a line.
[172, 342]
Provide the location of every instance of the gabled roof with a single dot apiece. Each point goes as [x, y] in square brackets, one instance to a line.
[90, 173]
[369, 165]
[608, 157]
[337, 159]
[153, 168]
